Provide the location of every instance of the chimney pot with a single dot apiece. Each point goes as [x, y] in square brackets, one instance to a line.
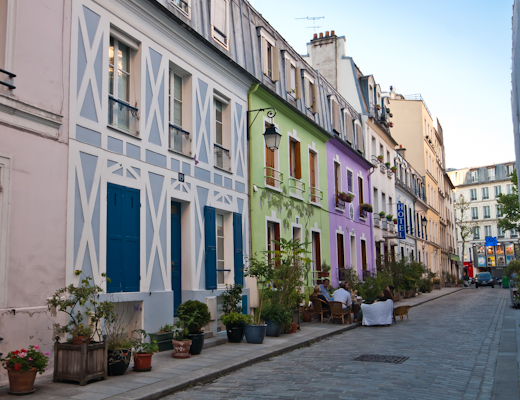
[326, 33]
[315, 36]
[321, 34]
[400, 146]
[332, 33]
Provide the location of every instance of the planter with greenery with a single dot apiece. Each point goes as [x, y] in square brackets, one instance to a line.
[85, 313]
[195, 315]
[395, 221]
[119, 344]
[393, 169]
[22, 366]
[342, 196]
[382, 214]
[389, 217]
[235, 323]
[366, 207]
[276, 317]
[181, 343]
[437, 284]
[387, 164]
[164, 337]
[143, 350]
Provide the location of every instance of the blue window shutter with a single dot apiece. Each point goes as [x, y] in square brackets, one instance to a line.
[115, 240]
[238, 249]
[210, 238]
[245, 308]
[131, 254]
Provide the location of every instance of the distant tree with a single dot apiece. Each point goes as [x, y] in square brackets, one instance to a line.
[510, 207]
[462, 221]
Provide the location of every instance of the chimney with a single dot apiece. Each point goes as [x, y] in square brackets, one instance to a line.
[401, 151]
[332, 33]
[315, 36]
[326, 33]
[321, 35]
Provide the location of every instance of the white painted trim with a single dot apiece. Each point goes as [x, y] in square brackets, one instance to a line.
[10, 36]
[5, 216]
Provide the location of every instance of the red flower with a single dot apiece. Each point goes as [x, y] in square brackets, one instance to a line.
[17, 367]
[16, 352]
[23, 351]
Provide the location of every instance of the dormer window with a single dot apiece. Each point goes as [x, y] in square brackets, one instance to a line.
[292, 73]
[509, 169]
[474, 175]
[335, 117]
[183, 5]
[270, 56]
[349, 127]
[219, 22]
[311, 93]
[491, 173]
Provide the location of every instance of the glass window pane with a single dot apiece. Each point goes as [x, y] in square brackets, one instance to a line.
[111, 80]
[177, 113]
[177, 87]
[123, 57]
[220, 277]
[111, 52]
[218, 138]
[123, 85]
[218, 111]
[220, 247]
[220, 225]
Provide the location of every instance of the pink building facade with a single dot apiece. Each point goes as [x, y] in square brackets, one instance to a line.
[34, 98]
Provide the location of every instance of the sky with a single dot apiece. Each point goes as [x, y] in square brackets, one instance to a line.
[455, 53]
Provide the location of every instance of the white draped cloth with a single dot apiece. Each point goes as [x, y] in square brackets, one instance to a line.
[379, 313]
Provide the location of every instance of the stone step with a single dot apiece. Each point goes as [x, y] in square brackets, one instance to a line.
[214, 341]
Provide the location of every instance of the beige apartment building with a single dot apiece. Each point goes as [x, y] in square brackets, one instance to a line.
[414, 127]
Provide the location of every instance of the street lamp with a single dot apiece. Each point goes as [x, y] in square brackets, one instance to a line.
[424, 222]
[272, 135]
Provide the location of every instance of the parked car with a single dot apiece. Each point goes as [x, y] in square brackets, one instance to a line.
[484, 279]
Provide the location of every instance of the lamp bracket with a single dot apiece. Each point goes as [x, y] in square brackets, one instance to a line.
[270, 114]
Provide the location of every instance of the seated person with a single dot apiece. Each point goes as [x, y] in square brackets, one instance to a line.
[323, 289]
[317, 295]
[386, 294]
[343, 295]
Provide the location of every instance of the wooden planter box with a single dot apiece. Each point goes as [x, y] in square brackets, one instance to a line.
[80, 363]
[164, 340]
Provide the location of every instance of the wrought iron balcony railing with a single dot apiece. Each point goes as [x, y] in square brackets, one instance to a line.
[273, 177]
[296, 187]
[315, 195]
[180, 140]
[122, 115]
[9, 82]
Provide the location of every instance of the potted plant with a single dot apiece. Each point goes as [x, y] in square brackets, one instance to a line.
[390, 115]
[119, 345]
[437, 284]
[164, 337]
[195, 314]
[380, 158]
[325, 270]
[378, 107]
[22, 367]
[85, 312]
[143, 351]
[395, 220]
[350, 197]
[387, 164]
[389, 217]
[342, 196]
[181, 343]
[235, 323]
[366, 207]
[393, 169]
[382, 214]
[391, 124]
[276, 317]
[387, 110]
[262, 271]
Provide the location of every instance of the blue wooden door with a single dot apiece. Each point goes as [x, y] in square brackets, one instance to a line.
[123, 238]
[176, 254]
[210, 237]
[239, 251]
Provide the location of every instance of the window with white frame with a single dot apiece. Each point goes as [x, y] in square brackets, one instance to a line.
[509, 169]
[219, 22]
[360, 147]
[315, 192]
[222, 147]
[121, 85]
[350, 181]
[487, 230]
[485, 193]
[179, 112]
[491, 173]
[270, 56]
[500, 232]
[337, 179]
[5, 190]
[220, 250]
[498, 191]
[473, 194]
[335, 116]
[487, 212]
[183, 5]
[349, 128]
[474, 213]
[474, 175]
[513, 233]
[311, 93]
[476, 233]
[291, 80]
[499, 212]
[509, 189]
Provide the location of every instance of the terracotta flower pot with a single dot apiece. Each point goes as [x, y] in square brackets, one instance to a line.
[181, 349]
[307, 316]
[294, 326]
[142, 362]
[22, 382]
[78, 340]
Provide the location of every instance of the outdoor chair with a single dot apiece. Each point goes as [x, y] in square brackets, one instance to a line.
[337, 311]
[317, 308]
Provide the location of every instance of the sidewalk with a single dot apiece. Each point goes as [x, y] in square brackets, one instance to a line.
[169, 375]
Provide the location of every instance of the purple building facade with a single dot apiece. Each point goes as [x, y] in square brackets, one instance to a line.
[351, 238]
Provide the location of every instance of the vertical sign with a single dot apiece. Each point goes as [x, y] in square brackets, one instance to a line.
[400, 221]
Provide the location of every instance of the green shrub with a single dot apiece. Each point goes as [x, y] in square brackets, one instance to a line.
[230, 299]
[274, 312]
[194, 314]
[236, 320]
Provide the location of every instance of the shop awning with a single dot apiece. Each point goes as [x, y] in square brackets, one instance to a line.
[454, 257]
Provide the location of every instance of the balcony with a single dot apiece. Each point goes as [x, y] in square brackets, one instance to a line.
[363, 213]
[180, 140]
[382, 168]
[273, 177]
[315, 195]
[377, 220]
[384, 223]
[340, 204]
[123, 116]
[222, 157]
[8, 82]
[296, 187]
[389, 173]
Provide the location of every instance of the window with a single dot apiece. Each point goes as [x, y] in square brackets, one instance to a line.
[360, 147]
[349, 129]
[473, 194]
[219, 22]
[353, 253]
[350, 182]
[509, 169]
[364, 255]
[341, 250]
[336, 125]
[273, 236]
[311, 94]
[273, 177]
[316, 253]
[182, 5]
[360, 190]
[499, 212]
[179, 134]
[487, 213]
[291, 77]
[270, 57]
[491, 173]
[120, 113]
[474, 176]
[487, 230]
[313, 171]
[485, 193]
[295, 168]
[474, 213]
[498, 191]
[476, 233]
[337, 179]
[500, 232]
[220, 250]
[222, 154]
[509, 189]
[513, 233]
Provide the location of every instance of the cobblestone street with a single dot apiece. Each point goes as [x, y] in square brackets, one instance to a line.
[462, 346]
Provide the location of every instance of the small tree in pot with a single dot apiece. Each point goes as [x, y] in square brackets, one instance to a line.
[195, 315]
[276, 317]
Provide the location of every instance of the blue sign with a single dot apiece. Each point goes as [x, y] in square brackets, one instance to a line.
[491, 241]
[400, 221]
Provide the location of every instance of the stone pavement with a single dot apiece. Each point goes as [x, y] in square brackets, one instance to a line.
[462, 346]
[169, 375]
